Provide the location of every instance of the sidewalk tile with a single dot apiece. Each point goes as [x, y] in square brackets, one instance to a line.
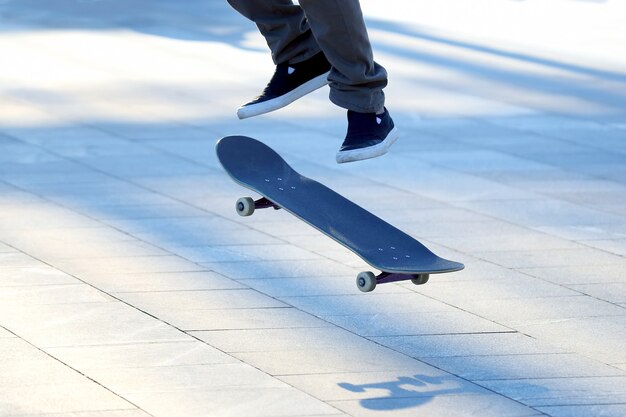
[397, 324]
[60, 398]
[579, 274]
[476, 344]
[199, 301]
[280, 269]
[86, 324]
[15, 297]
[564, 365]
[437, 406]
[241, 319]
[278, 252]
[34, 276]
[376, 302]
[127, 265]
[271, 340]
[361, 358]
[161, 281]
[599, 338]
[419, 380]
[140, 355]
[562, 391]
[181, 378]
[540, 309]
[605, 410]
[251, 402]
[611, 292]
[316, 286]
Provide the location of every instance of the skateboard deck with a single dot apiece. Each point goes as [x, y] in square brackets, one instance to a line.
[259, 168]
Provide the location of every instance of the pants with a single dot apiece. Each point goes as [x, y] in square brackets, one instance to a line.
[336, 27]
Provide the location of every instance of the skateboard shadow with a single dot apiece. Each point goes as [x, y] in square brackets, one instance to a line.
[404, 392]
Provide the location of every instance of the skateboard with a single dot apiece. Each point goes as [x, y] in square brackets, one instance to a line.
[397, 255]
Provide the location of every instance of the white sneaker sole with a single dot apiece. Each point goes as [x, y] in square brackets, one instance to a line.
[369, 152]
[313, 84]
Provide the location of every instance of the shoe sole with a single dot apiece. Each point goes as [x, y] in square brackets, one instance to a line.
[313, 84]
[369, 152]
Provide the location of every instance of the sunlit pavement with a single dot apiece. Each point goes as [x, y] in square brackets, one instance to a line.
[130, 287]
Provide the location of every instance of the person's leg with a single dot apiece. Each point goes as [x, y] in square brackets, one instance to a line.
[284, 27]
[301, 67]
[356, 81]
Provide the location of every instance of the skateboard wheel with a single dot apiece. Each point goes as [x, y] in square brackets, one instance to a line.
[366, 281]
[245, 206]
[420, 279]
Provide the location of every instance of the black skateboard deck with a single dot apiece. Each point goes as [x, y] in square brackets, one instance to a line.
[256, 166]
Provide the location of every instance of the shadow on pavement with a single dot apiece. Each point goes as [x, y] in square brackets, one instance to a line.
[404, 392]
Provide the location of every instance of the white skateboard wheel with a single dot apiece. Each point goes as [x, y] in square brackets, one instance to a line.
[366, 281]
[245, 206]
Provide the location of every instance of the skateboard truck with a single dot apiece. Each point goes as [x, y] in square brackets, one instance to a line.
[245, 206]
[367, 281]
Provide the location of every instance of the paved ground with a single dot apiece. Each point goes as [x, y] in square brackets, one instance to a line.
[129, 287]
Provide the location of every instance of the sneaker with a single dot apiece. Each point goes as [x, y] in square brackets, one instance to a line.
[289, 83]
[369, 135]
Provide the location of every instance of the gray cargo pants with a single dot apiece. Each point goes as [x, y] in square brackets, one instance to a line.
[336, 27]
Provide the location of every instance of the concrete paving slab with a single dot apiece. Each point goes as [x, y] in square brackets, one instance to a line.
[60, 398]
[199, 300]
[139, 355]
[420, 380]
[579, 274]
[25, 365]
[191, 237]
[362, 358]
[86, 324]
[562, 391]
[521, 240]
[127, 248]
[161, 281]
[476, 344]
[561, 332]
[278, 252]
[532, 366]
[127, 265]
[34, 276]
[159, 379]
[259, 402]
[107, 413]
[317, 286]
[18, 260]
[374, 303]
[608, 410]
[614, 293]
[14, 297]
[487, 405]
[616, 246]
[5, 333]
[541, 310]
[515, 286]
[396, 324]
[240, 318]
[270, 340]
[555, 257]
[242, 271]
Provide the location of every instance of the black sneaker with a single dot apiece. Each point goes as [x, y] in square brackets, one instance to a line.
[369, 135]
[289, 83]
